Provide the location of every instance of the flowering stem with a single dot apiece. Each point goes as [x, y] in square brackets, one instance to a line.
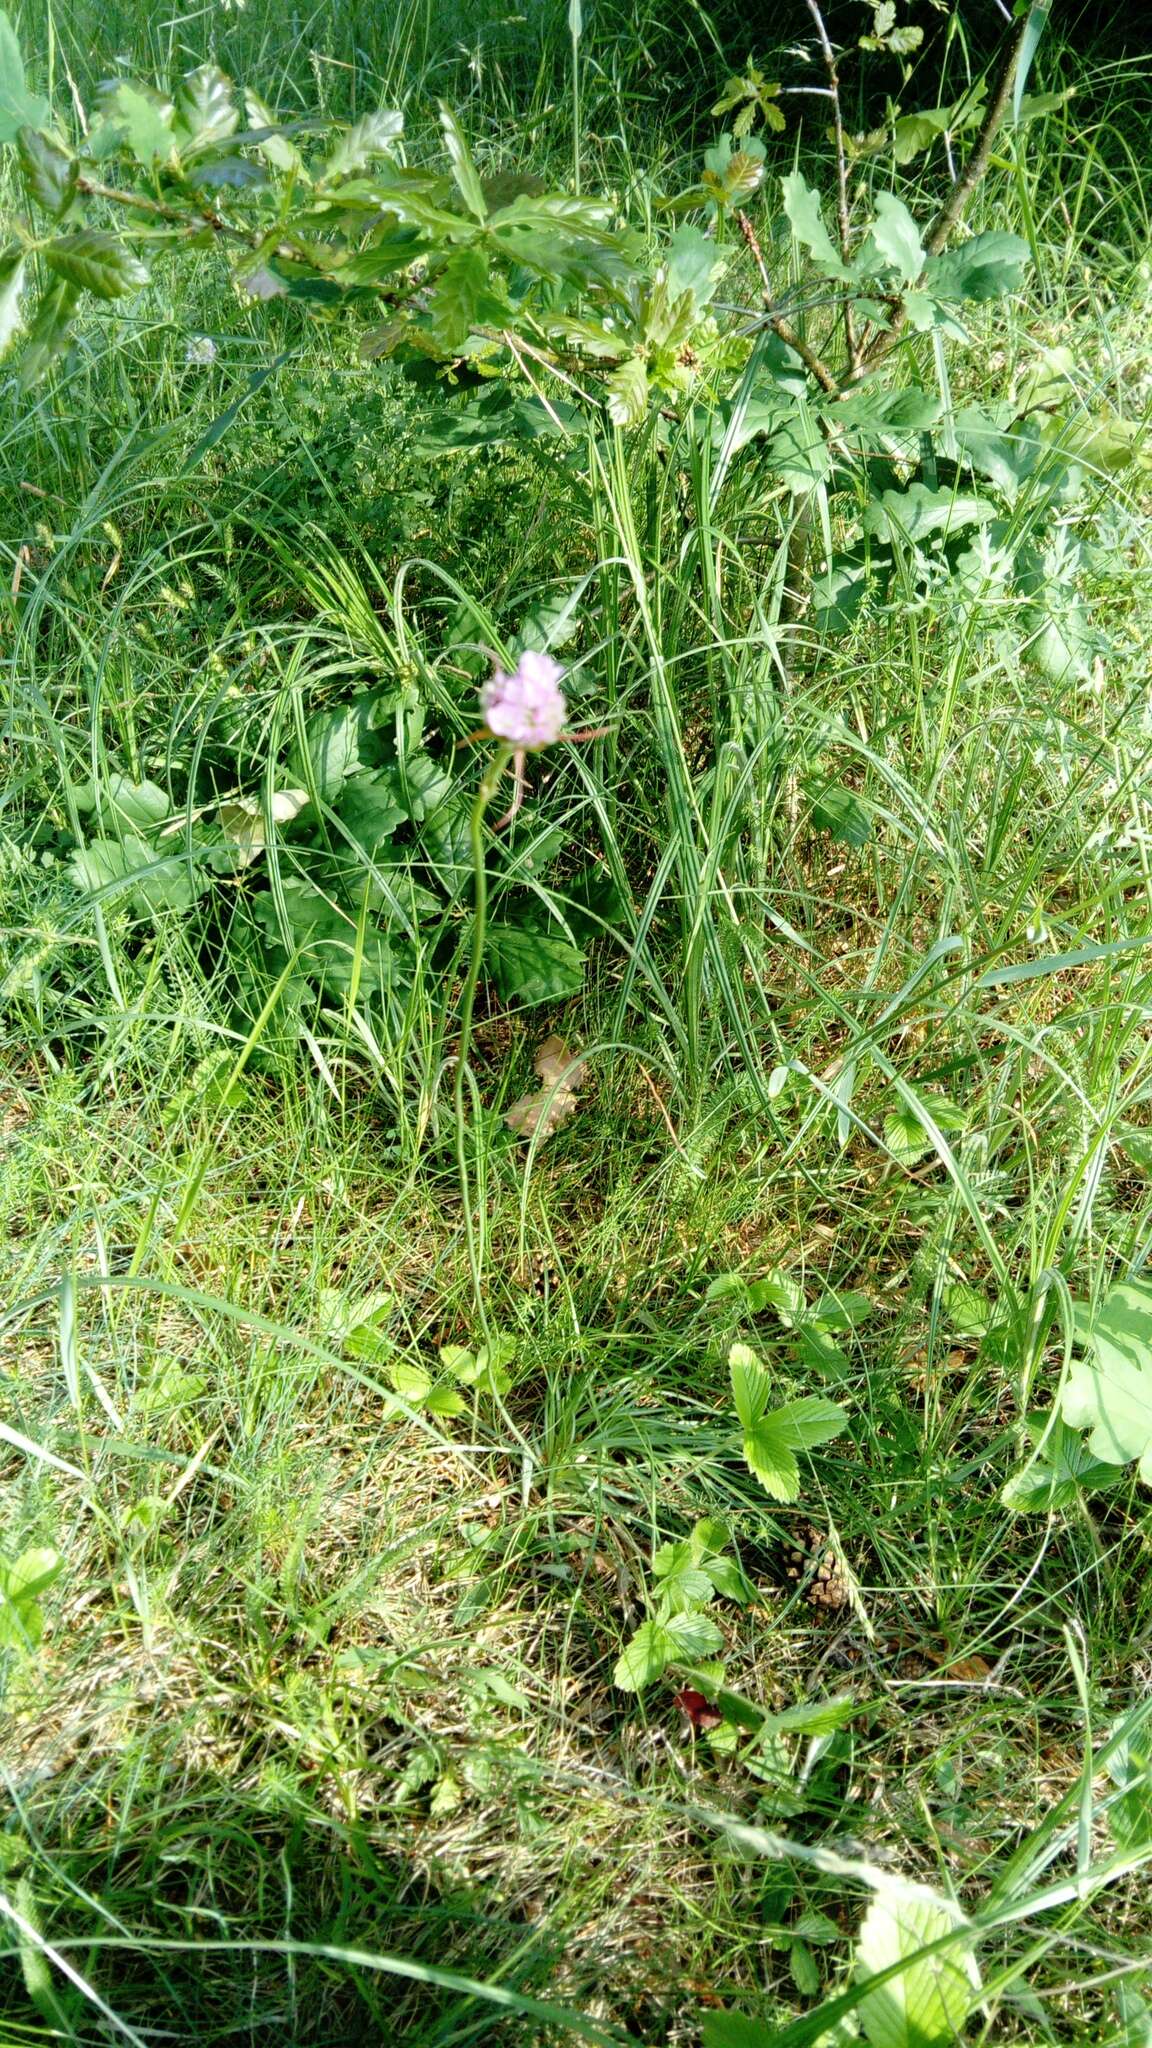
[489, 782]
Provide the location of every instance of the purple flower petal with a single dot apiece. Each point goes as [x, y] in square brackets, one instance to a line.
[526, 709]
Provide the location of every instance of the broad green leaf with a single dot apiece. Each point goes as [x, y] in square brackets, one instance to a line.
[1065, 1469]
[928, 2004]
[799, 452]
[370, 807]
[31, 1574]
[11, 286]
[372, 136]
[838, 593]
[463, 169]
[802, 206]
[627, 388]
[683, 1584]
[118, 799]
[781, 1291]
[874, 416]
[550, 213]
[967, 1311]
[735, 2030]
[50, 329]
[147, 124]
[49, 172]
[644, 1659]
[692, 263]
[915, 513]
[728, 1579]
[96, 262]
[842, 814]
[1109, 1391]
[897, 237]
[709, 1537]
[131, 867]
[336, 744]
[19, 108]
[445, 1401]
[533, 967]
[751, 1386]
[411, 1382]
[984, 268]
[1130, 1769]
[905, 1136]
[205, 109]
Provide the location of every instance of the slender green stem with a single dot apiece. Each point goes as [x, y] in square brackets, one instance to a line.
[489, 782]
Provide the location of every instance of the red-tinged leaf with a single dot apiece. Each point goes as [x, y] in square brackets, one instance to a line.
[701, 1713]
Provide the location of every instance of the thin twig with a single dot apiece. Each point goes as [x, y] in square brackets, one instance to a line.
[93, 189]
[843, 210]
[954, 207]
[778, 323]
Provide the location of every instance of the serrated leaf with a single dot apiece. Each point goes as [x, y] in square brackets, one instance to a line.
[905, 1136]
[728, 1579]
[11, 287]
[50, 329]
[768, 1456]
[644, 1659]
[751, 1386]
[372, 136]
[410, 1381]
[204, 107]
[464, 173]
[533, 967]
[627, 388]
[928, 2003]
[19, 108]
[802, 206]
[1109, 1390]
[49, 172]
[96, 262]
[692, 1636]
[809, 1421]
[897, 237]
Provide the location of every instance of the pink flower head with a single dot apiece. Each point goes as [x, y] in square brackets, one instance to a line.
[526, 709]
